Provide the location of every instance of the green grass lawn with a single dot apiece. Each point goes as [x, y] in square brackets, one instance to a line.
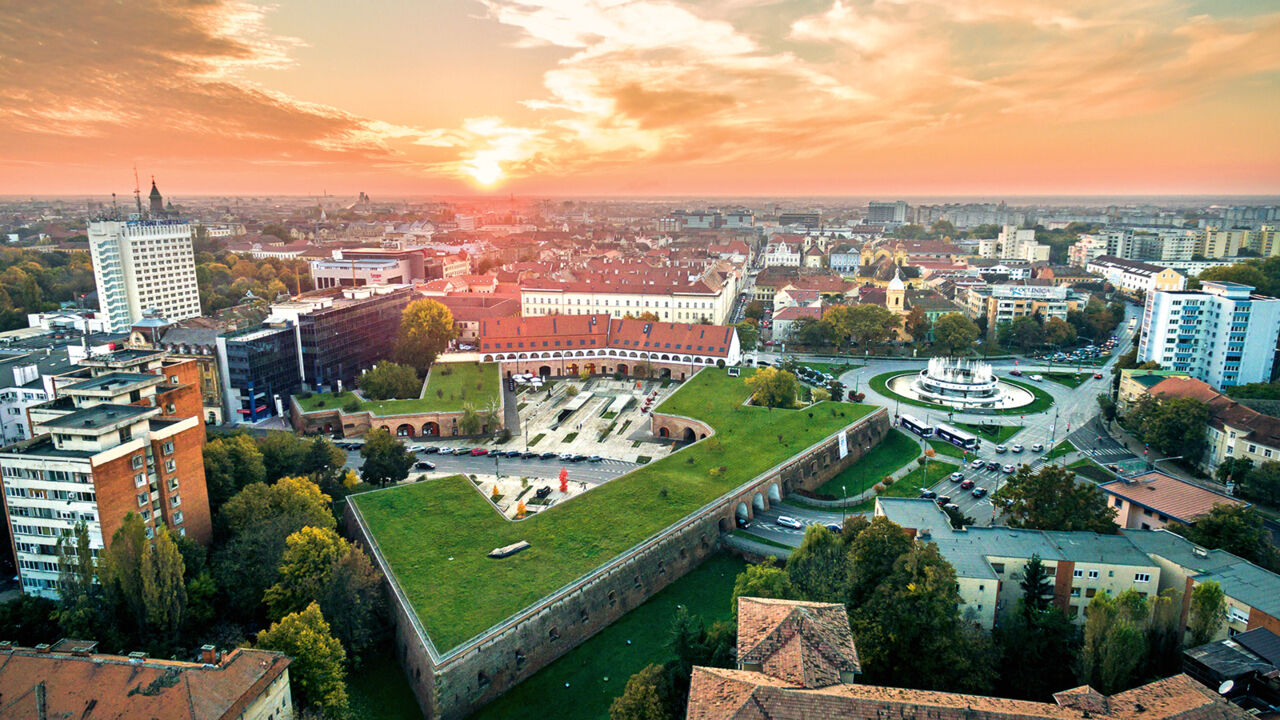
[1091, 470]
[897, 449]
[832, 369]
[380, 691]
[943, 447]
[1063, 448]
[435, 535]
[705, 592]
[455, 389]
[998, 435]
[909, 486]
[1041, 402]
[1071, 380]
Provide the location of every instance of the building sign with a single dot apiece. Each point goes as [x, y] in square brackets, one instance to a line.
[844, 444]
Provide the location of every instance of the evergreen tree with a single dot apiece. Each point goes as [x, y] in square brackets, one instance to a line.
[819, 568]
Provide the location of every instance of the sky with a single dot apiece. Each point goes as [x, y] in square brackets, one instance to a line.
[641, 97]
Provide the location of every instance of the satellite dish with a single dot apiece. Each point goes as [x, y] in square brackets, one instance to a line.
[1226, 687]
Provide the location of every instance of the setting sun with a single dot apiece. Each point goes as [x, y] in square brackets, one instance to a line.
[486, 173]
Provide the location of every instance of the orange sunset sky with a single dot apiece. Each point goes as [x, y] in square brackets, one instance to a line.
[643, 97]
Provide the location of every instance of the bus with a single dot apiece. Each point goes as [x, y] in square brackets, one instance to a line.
[916, 425]
[957, 437]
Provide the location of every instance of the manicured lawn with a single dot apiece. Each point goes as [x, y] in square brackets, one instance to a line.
[762, 540]
[705, 592]
[435, 534]
[1071, 380]
[832, 369]
[380, 691]
[998, 435]
[1042, 401]
[449, 387]
[910, 485]
[945, 448]
[1091, 470]
[897, 449]
[1063, 448]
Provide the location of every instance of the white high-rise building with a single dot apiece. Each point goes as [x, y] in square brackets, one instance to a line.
[1222, 334]
[142, 265]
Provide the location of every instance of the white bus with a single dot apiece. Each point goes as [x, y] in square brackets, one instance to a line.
[957, 437]
[914, 424]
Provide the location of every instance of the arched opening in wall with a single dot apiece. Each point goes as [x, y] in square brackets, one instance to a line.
[703, 436]
[584, 617]
[508, 373]
[689, 436]
[488, 358]
[519, 658]
[725, 525]
[662, 568]
[684, 554]
[702, 542]
[757, 502]
[405, 430]
[431, 429]
[720, 363]
[545, 371]
[775, 495]
[482, 680]
[590, 368]
[741, 512]
[384, 427]
[664, 432]
[664, 373]
[613, 598]
[553, 634]
[682, 376]
[573, 368]
[622, 369]
[636, 583]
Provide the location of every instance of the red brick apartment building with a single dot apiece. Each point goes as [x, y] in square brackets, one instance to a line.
[123, 434]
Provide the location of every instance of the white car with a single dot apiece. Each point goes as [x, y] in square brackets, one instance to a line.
[789, 522]
[1037, 378]
[1017, 448]
[1008, 469]
[957, 476]
[977, 464]
[1038, 447]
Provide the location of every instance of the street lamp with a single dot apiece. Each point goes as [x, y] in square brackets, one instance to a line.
[845, 492]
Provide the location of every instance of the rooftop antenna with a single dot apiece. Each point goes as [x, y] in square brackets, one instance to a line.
[137, 189]
[115, 209]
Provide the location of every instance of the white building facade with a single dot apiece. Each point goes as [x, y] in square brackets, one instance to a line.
[1222, 334]
[143, 265]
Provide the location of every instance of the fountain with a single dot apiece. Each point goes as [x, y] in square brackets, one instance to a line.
[961, 384]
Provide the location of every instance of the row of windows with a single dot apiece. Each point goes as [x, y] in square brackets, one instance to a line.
[43, 494]
[47, 475]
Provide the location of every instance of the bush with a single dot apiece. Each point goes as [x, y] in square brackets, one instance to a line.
[879, 487]
[320, 403]
[304, 394]
[351, 406]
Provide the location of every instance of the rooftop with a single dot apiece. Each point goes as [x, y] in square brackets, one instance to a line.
[1168, 495]
[100, 416]
[114, 382]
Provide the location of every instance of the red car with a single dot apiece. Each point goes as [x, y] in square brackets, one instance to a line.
[1097, 376]
[478, 451]
[966, 484]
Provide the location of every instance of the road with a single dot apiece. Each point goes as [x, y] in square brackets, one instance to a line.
[763, 524]
[588, 472]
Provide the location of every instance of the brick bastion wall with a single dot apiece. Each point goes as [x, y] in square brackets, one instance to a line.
[455, 683]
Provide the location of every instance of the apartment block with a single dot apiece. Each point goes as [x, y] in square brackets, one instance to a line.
[1235, 430]
[1003, 303]
[708, 297]
[1014, 244]
[1133, 277]
[142, 265]
[124, 434]
[1222, 334]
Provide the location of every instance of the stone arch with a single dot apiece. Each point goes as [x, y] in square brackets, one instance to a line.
[689, 435]
[720, 362]
[664, 373]
[741, 511]
[664, 432]
[544, 371]
[404, 430]
[430, 428]
[665, 357]
[488, 358]
[688, 359]
[524, 356]
[725, 525]
[775, 494]
[622, 369]
[556, 355]
[590, 368]
[578, 354]
[757, 502]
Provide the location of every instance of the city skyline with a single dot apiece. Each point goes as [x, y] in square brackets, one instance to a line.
[643, 98]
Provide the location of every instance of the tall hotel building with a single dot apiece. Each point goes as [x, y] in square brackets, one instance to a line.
[1222, 334]
[141, 265]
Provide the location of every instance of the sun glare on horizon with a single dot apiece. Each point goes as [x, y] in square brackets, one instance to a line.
[486, 174]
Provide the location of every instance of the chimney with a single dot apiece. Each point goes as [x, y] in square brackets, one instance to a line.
[209, 654]
[137, 656]
[42, 648]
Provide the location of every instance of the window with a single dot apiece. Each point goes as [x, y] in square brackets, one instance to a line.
[175, 501]
[137, 462]
[1093, 574]
[1142, 577]
[177, 518]
[142, 499]
[167, 448]
[170, 466]
[1077, 573]
[1117, 502]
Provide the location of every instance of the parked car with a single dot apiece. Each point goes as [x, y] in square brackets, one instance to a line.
[594, 458]
[1017, 448]
[834, 527]
[957, 476]
[1038, 447]
[979, 492]
[567, 457]
[424, 465]
[478, 451]
[528, 454]
[430, 450]
[461, 451]
[1000, 449]
[928, 494]
[547, 456]
[789, 522]
[543, 491]
[966, 484]
[1008, 469]
[943, 499]
[977, 464]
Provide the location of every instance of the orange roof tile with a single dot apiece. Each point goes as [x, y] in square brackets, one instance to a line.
[1168, 495]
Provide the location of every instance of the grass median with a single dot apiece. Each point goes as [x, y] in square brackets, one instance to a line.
[1040, 402]
[897, 449]
[435, 535]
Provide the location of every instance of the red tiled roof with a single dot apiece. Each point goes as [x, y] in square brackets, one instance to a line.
[107, 687]
[551, 332]
[1168, 495]
[1260, 428]
[803, 643]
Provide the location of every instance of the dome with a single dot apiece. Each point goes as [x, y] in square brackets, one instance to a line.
[896, 283]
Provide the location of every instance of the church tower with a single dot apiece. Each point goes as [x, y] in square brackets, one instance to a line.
[157, 202]
[895, 295]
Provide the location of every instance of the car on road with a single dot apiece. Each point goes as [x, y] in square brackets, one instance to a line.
[527, 454]
[740, 521]
[567, 457]
[1038, 447]
[1000, 449]
[1037, 378]
[1015, 372]
[543, 491]
[548, 456]
[834, 527]
[928, 494]
[1097, 376]
[476, 452]
[430, 450]
[993, 465]
[979, 492]
[594, 458]
[1017, 448]
[977, 464]
[943, 499]
[512, 454]
[966, 484]
[1007, 469]
[957, 476]
[578, 458]
[461, 451]
[424, 465]
[789, 522]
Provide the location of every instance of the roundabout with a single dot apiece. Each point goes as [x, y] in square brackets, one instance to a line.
[896, 386]
[962, 385]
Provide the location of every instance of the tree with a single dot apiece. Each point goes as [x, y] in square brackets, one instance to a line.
[1233, 469]
[1114, 646]
[426, 327]
[917, 324]
[470, 422]
[1037, 587]
[305, 569]
[164, 594]
[763, 580]
[862, 324]
[322, 456]
[319, 679]
[30, 620]
[1051, 499]
[954, 334]
[771, 387]
[283, 453]
[754, 310]
[1263, 483]
[642, 698]
[748, 335]
[1037, 644]
[76, 571]
[1235, 529]
[230, 463]
[1174, 427]
[120, 572]
[1022, 333]
[1106, 406]
[872, 554]
[819, 569]
[1058, 332]
[296, 498]
[385, 459]
[356, 601]
[1208, 612]
[811, 332]
[388, 380]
